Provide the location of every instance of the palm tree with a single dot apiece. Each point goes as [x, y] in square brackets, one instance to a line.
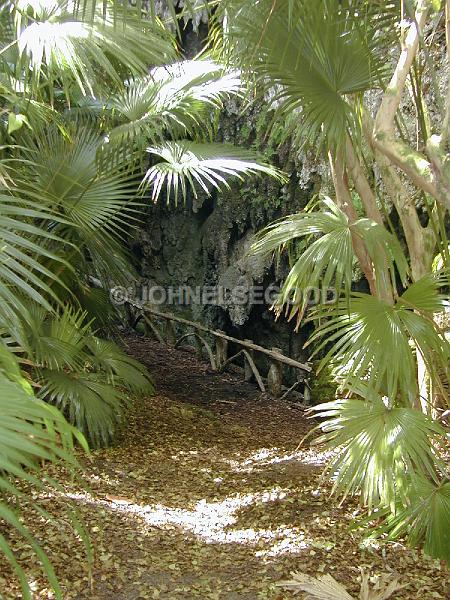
[321, 62]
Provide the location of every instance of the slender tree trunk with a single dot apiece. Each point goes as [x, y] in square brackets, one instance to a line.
[344, 201]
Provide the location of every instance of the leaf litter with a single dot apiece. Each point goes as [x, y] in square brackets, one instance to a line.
[205, 495]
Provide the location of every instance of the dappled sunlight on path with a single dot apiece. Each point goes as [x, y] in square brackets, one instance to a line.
[214, 500]
[211, 521]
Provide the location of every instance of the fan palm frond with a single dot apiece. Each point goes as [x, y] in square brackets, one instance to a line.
[425, 518]
[86, 377]
[89, 402]
[73, 175]
[56, 341]
[30, 431]
[326, 587]
[121, 369]
[175, 98]
[24, 250]
[328, 258]
[323, 588]
[314, 55]
[203, 165]
[78, 48]
[380, 447]
[363, 333]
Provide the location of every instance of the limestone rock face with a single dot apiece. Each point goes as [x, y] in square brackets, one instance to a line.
[205, 243]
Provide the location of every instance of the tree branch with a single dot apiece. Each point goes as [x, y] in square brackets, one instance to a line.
[428, 172]
[345, 203]
[445, 136]
[385, 118]
[420, 240]
[440, 165]
[414, 164]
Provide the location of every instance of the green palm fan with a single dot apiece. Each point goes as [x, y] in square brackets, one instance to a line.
[31, 431]
[204, 166]
[379, 446]
[93, 190]
[87, 378]
[316, 56]
[89, 402]
[425, 518]
[363, 333]
[121, 370]
[56, 43]
[173, 100]
[27, 245]
[326, 258]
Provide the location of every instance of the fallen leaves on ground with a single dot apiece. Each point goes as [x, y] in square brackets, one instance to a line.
[205, 496]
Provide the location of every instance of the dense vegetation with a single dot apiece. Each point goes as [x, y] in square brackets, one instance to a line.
[324, 63]
[100, 114]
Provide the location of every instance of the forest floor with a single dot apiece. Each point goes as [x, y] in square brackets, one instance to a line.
[205, 495]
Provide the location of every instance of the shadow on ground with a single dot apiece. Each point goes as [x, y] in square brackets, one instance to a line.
[206, 496]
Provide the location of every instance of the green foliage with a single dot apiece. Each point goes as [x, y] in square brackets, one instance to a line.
[318, 55]
[363, 333]
[23, 244]
[86, 377]
[329, 256]
[54, 44]
[31, 431]
[424, 520]
[314, 62]
[91, 189]
[85, 88]
[323, 384]
[380, 447]
[174, 99]
[203, 165]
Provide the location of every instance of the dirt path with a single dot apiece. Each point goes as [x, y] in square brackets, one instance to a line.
[205, 496]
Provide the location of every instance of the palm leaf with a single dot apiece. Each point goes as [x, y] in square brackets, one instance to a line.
[380, 447]
[315, 56]
[77, 48]
[74, 174]
[328, 258]
[92, 189]
[175, 98]
[121, 369]
[323, 588]
[89, 402]
[30, 431]
[56, 341]
[203, 165]
[326, 587]
[363, 333]
[424, 520]
[86, 377]
[24, 276]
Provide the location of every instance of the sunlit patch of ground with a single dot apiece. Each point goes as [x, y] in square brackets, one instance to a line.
[212, 522]
[265, 457]
[214, 501]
